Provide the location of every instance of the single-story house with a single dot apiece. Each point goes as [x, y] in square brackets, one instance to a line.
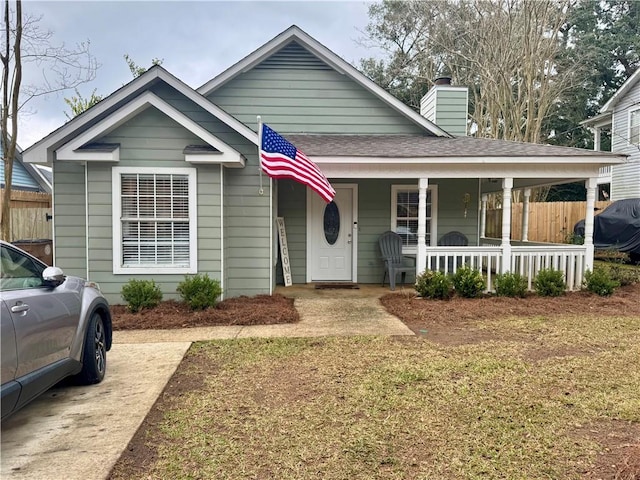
[620, 116]
[159, 180]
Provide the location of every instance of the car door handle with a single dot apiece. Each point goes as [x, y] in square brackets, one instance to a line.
[20, 307]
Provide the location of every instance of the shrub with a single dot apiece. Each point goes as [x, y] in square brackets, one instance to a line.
[599, 281]
[550, 283]
[434, 284]
[141, 294]
[469, 282]
[200, 291]
[511, 285]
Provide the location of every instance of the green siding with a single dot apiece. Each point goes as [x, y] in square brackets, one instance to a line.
[451, 207]
[374, 218]
[299, 100]
[69, 218]
[292, 206]
[451, 112]
[149, 140]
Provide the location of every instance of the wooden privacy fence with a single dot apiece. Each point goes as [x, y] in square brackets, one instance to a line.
[29, 212]
[550, 222]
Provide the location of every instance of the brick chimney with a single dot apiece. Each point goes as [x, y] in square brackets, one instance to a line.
[446, 106]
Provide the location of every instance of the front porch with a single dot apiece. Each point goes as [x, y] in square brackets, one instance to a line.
[494, 256]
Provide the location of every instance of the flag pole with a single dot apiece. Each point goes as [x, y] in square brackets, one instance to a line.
[260, 190]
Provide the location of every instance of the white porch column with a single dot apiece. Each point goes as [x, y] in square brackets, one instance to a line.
[507, 186]
[596, 138]
[591, 185]
[525, 214]
[421, 258]
[483, 216]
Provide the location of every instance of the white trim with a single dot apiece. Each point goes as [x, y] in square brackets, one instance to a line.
[70, 151]
[621, 92]
[118, 269]
[42, 151]
[222, 232]
[86, 217]
[589, 158]
[630, 140]
[354, 227]
[294, 33]
[395, 168]
[433, 234]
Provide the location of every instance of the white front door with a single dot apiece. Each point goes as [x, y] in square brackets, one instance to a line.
[332, 232]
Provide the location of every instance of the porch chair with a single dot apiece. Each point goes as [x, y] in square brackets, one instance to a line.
[453, 239]
[394, 262]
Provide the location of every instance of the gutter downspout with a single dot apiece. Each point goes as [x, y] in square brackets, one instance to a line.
[86, 217]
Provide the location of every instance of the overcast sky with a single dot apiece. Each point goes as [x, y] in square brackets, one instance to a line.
[195, 40]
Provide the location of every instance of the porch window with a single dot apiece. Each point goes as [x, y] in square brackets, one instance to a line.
[154, 220]
[634, 126]
[404, 214]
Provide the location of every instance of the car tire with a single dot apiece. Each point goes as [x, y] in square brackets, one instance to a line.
[94, 355]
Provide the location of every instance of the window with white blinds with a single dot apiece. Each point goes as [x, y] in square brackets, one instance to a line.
[156, 214]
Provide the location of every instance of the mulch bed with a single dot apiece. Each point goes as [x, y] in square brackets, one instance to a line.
[258, 310]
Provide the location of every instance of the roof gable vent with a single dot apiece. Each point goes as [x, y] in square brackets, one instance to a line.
[293, 55]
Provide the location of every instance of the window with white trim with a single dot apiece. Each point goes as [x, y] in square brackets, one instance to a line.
[154, 211]
[404, 214]
[634, 126]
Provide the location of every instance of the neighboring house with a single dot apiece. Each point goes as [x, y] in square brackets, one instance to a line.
[30, 202]
[25, 176]
[159, 181]
[621, 117]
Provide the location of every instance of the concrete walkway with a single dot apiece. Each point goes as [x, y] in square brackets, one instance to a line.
[329, 312]
[80, 432]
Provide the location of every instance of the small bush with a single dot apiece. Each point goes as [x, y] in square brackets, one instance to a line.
[434, 284]
[550, 283]
[468, 282]
[200, 291]
[599, 281]
[141, 294]
[511, 285]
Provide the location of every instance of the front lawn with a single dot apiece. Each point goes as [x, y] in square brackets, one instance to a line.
[543, 397]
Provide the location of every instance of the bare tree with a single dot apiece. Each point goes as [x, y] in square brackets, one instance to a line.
[61, 68]
[507, 51]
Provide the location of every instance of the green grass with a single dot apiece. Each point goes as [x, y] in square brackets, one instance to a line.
[380, 408]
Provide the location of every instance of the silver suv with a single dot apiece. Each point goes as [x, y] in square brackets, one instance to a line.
[53, 327]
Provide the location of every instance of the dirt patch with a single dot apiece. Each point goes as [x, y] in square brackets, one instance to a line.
[452, 321]
[618, 450]
[258, 310]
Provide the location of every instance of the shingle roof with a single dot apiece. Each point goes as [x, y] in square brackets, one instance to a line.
[410, 146]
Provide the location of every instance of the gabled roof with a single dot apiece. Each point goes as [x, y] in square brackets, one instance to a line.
[82, 147]
[42, 151]
[295, 34]
[622, 91]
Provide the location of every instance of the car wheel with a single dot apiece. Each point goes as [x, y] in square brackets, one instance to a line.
[94, 356]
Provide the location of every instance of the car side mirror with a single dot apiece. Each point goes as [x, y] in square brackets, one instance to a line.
[53, 276]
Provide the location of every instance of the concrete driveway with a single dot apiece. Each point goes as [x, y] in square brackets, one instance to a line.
[79, 432]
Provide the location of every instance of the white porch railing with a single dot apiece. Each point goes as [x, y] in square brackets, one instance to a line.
[527, 259]
[487, 259]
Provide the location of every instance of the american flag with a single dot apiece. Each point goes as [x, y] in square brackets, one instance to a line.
[280, 159]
